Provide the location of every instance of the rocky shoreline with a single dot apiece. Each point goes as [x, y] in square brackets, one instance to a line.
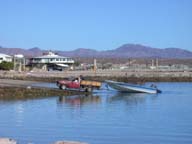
[21, 89]
[11, 141]
[21, 93]
[125, 76]
[20, 83]
[132, 79]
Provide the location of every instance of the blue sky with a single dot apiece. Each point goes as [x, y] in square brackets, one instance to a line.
[96, 24]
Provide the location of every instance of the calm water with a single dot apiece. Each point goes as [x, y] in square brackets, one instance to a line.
[105, 117]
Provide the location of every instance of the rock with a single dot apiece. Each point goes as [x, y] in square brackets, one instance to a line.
[69, 142]
[28, 87]
[7, 141]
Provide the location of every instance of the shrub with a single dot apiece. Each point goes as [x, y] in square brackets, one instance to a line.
[6, 65]
[76, 63]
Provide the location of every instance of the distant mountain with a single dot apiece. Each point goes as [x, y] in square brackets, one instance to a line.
[124, 51]
[140, 51]
[26, 52]
[80, 52]
[130, 51]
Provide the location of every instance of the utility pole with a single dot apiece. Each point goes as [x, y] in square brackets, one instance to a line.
[157, 63]
[14, 63]
[24, 64]
[152, 63]
[95, 65]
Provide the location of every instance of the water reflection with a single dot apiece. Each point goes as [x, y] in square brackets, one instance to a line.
[79, 99]
[128, 98]
[19, 114]
[105, 117]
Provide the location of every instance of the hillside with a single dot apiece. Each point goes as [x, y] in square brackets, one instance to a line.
[124, 51]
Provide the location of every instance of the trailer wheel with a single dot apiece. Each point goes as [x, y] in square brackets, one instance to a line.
[88, 89]
[63, 87]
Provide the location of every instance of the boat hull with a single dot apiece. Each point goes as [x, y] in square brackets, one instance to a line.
[125, 87]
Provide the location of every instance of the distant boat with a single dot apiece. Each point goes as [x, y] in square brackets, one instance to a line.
[131, 88]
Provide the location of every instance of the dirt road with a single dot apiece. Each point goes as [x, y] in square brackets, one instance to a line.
[24, 83]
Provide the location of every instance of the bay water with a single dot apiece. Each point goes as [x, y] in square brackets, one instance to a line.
[105, 117]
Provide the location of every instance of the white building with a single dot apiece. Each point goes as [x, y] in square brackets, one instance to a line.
[19, 62]
[4, 57]
[19, 56]
[52, 60]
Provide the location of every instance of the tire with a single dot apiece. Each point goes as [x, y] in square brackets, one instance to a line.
[63, 87]
[88, 89]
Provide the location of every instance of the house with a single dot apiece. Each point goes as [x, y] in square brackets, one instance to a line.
[52, 61]
[4, 57]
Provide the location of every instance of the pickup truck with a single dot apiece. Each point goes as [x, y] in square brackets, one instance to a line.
[84, 85]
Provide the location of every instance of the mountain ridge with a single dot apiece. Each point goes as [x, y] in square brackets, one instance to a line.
[124, 51]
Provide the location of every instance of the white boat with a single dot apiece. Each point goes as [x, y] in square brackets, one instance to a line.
[131, 88]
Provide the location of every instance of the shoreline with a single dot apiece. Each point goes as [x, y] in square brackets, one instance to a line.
[21, 89]
[23, 84]
[124, 76]
[13, 141]
[10, 93]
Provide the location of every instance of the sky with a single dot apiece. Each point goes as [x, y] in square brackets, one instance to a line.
[95, 24]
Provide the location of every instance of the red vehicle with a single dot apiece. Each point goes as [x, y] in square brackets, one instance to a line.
[78, 84]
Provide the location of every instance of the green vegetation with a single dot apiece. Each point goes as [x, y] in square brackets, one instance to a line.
[6, 65]
[77, 63]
